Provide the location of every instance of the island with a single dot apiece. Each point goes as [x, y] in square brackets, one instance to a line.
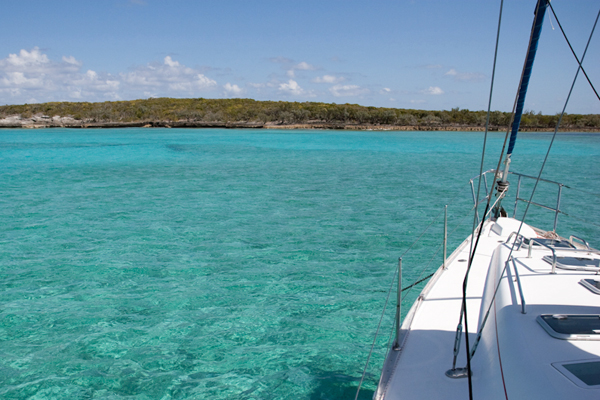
[249, 113]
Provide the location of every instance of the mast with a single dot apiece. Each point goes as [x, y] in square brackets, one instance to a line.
[536, 30]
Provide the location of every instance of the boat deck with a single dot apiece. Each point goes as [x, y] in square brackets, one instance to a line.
[514, 348]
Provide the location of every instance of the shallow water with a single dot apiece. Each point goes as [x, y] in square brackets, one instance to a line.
[167, 263]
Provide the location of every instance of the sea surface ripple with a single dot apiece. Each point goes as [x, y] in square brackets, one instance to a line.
[232, 264]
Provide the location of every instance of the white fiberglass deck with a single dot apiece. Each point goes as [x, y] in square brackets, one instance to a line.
[516, 357]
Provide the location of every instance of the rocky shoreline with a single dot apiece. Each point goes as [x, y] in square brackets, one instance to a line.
[44, 121]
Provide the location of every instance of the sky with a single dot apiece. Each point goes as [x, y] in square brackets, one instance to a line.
[421, 54]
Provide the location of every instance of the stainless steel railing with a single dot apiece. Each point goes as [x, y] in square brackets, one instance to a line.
[488, 193]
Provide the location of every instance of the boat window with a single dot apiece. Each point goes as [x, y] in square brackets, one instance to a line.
[571, 327]
[584, 373]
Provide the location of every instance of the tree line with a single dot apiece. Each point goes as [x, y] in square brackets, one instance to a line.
[284, 113]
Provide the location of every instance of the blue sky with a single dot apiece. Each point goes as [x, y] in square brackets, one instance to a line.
[425, 54]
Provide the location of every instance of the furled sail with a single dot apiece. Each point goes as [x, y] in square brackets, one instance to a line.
[540, 11]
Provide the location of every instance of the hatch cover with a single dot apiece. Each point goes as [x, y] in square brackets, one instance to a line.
[585, 374]
[571, 326]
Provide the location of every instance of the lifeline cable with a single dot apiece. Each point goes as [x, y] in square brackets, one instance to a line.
[389, 293]
[422, 270]
[386, 303]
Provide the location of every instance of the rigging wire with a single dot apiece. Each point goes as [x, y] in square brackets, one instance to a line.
[474, 248]
[475, 218]
[573, 51]
[540, 173]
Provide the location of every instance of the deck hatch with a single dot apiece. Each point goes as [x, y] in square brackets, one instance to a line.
[556, 243]
[591, 284]
[574, 263]
[585, 374]
[570, 326]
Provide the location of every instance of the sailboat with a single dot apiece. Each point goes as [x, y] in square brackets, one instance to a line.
[514, 311]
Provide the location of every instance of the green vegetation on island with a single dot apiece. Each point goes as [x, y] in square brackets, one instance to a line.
[251, 113]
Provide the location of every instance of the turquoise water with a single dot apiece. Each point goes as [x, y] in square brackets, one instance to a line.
[220, 264]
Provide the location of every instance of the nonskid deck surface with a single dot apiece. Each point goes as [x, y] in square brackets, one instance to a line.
[418, 369]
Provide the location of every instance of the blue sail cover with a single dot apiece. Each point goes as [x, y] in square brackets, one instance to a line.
[533, 44]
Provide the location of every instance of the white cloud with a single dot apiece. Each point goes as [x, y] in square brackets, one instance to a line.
[347, 90]
[417, 101]
[169, 61]
[169, 78]
[304, 66]
[465, 76]
[27, 58]
[32, 74]
[19, 79]
[92, 84]
[291, 87]
[328, 79]
[385, 91]
[433, 90]
[234, 90]
[204, 82]
[72, 60]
